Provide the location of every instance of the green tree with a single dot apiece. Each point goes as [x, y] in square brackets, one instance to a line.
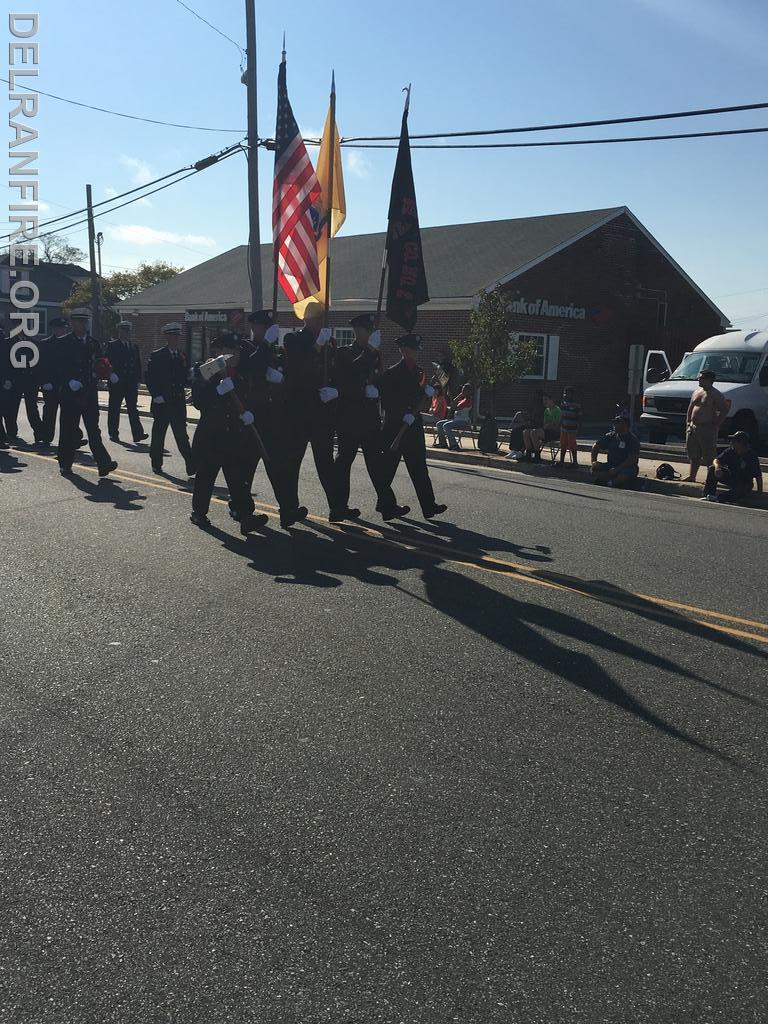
[57, 249]
[489, 356]
[120, 286]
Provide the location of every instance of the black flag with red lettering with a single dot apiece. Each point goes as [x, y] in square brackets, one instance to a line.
[407, 282]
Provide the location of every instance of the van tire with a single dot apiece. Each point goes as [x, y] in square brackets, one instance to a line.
[745, 420]
[657, 436]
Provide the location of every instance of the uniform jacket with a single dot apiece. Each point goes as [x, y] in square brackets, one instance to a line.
[167, 374]
[75, 359]
[401, 391]
[304, 370]
[219, 414]
[355, 368]
[126, 361]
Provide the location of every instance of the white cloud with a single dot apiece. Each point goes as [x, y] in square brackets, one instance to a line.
[142, 172]
[359, 166]
[140, 234]
[110, 192]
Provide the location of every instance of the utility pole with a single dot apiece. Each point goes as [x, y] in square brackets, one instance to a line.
[254, 240]
[95, 280]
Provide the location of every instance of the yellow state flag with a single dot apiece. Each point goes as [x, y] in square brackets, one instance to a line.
[329, 209]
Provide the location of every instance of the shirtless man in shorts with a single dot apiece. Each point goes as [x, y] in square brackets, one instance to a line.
[707, 410]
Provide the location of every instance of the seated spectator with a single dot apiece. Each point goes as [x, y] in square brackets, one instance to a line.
[438, 408]
[623, 450]
[516, 438]
[462, 408]
[535, 438]
[737, 469]
[570, 421]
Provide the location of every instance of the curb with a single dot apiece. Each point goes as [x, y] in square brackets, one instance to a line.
[672, 488]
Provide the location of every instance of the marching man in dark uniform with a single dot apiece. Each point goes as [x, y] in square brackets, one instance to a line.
[166, 381]
[221, 441]
[46, 378]
[309, 411]
[358, 425]
[17, 382]
[258, 359]
[123, 354]
[403, 393]
[77, 358]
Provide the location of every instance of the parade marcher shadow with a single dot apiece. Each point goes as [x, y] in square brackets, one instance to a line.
[11, 463]
[479, 544]
[317, 556]
[510, 623]
[107, 492]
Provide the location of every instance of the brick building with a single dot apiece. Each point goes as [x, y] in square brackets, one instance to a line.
[584, 285]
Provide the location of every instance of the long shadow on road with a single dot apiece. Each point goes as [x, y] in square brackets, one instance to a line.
[323, 557]
[508, 623]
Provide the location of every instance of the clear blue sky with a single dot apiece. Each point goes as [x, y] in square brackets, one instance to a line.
[473, 65]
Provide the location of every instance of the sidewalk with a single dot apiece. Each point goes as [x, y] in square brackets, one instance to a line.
[470, 456]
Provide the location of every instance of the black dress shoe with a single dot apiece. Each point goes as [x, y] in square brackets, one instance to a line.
[191, 470]
[287, 519]
[198, 519]
[82, 442]
[4, 446]
[352, 513]
[107, 468]
[114, 437]
[140, 438]
[337, 515]
[66, 471]
[436, 510]
[397, 512]
[157, 469]
[253, 522]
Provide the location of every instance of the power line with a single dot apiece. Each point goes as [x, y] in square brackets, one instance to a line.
[555, 142]
[113, 209]
[199, 166]
[130, 117]
[570, 124]
[217, 30]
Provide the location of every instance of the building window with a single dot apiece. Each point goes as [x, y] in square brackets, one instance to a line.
[344, 336]
[547, 354]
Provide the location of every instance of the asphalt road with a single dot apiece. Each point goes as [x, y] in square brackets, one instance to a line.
[505, 767]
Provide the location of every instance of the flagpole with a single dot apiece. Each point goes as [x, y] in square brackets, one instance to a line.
[275, 244]
[329, 222]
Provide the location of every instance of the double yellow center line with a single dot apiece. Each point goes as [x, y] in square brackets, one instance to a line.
[656, 607]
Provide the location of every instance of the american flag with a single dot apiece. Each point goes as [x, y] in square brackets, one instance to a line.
[295, 191]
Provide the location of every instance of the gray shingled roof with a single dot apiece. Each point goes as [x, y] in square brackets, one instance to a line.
[460, 258]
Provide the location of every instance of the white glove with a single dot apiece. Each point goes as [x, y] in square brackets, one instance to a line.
[247, 418]
[274, 376]
[47, 387]
[371, 391]
[408, 419]
[75, 385]
[158, 400]
[7, 385]
[429, 391]
[272, 334]
[324, 336]
[225, 386]
[375, 340]
[113, 378]
[328, 394]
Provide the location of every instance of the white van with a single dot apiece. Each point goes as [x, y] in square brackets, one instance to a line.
[739, 361]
